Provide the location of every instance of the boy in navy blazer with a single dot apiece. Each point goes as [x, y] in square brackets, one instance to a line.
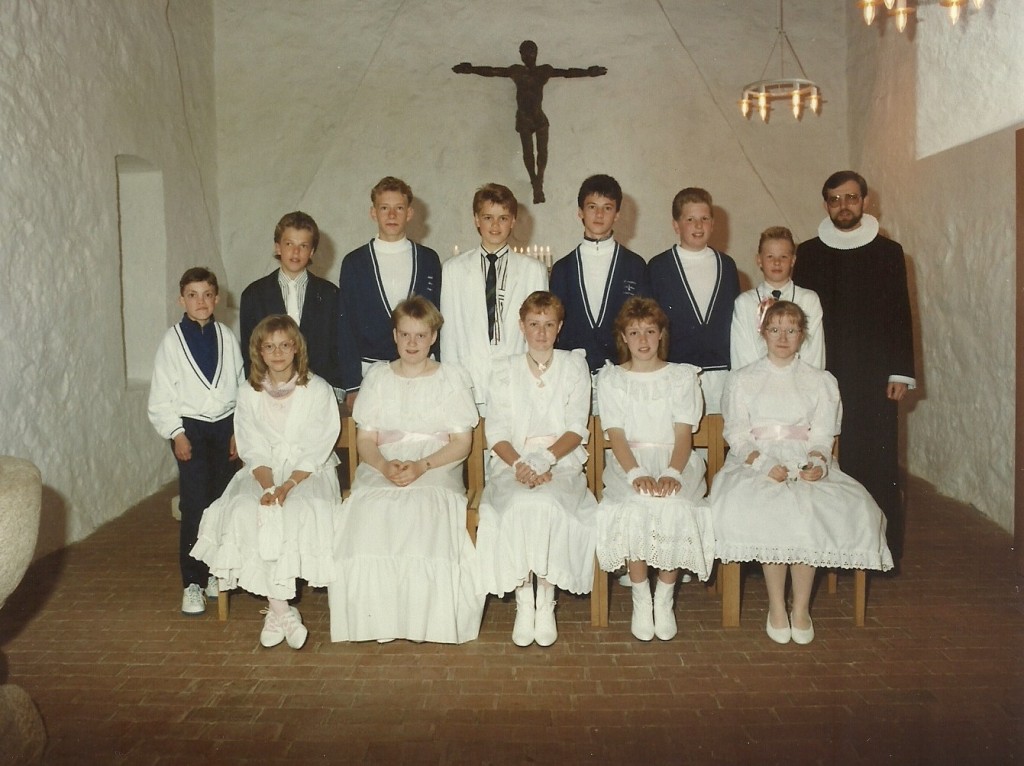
[311, 301]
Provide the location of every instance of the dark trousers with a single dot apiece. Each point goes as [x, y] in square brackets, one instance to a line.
[201, 480]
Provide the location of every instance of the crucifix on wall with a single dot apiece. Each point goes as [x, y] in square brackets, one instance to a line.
[531, 122]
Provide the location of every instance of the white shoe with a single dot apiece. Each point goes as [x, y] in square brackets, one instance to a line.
[642, 624]
[272, 633]
[192, 600]
[295, 633]
[523, 629]
[664, 615]
[545, 630]
[213, 587]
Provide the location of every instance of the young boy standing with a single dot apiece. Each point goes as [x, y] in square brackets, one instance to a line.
[311, 301]
[595, 279]
[776, 257]
[377, 277]
[696, 286]
[196, 375]
[482, 290]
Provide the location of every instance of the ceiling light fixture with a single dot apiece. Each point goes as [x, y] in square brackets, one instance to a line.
[800, 92]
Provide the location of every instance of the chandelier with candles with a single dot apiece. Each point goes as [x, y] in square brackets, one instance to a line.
[901, 11]
[800, 92]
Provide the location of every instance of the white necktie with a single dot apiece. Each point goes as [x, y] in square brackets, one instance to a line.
[292, 305]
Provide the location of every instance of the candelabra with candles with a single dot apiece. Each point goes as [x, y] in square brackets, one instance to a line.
[541, 253]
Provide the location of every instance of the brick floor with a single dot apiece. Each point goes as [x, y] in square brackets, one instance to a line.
[94, 635]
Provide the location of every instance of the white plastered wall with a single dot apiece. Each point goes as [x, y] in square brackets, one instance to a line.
[80, 84]
[345, 92]
[953, 211]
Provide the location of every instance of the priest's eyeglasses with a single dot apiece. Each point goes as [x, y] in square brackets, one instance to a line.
[837, 199]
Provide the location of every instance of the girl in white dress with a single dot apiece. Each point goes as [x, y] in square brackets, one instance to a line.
[780, 498]
[406, 565]
[653, 511]
[274, 521]
[537, 516]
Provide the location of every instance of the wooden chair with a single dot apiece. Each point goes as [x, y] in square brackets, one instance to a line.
[475, 465]
[731, 586]
[347, 443]
[708, 436]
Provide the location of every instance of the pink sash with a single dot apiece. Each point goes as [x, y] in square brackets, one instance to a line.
[781, 433]
[391, 437]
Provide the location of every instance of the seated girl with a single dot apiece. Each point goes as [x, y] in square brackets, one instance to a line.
[274, 522]
[653, 511]
[406, 565]
[780, 498]
[537, 516]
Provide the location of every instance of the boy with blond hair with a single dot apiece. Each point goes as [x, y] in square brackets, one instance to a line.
[377, 277]
[696, 287]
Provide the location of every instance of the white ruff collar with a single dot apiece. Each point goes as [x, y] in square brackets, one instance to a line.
[849, 240]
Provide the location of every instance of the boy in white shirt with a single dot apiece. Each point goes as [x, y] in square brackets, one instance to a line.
[776, 257]
[482, 290]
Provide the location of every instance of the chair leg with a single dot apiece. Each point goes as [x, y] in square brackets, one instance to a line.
[222, 605]
[729, 574]
[833, 579]
[599, 598]
[860, 593]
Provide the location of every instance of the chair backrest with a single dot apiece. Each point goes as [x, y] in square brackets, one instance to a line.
[708, 436]
[347, 444]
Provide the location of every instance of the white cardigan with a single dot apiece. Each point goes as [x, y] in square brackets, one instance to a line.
[179, 389]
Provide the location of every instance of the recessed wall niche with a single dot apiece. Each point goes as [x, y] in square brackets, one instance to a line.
[143, 235]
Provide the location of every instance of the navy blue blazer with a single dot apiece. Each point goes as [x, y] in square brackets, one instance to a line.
[627, 277]
[701, 340]
[319, 323]
[364, 314]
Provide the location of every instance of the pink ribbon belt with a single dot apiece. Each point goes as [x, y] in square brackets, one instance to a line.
[780, 433]
[635, 445]
[391, 437]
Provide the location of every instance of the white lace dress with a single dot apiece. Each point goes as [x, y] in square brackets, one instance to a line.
[264, 548]
[550, 530]
[786, 412]
[406, 565]
[666, 532]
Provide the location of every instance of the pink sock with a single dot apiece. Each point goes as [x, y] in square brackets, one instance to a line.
[278, 607]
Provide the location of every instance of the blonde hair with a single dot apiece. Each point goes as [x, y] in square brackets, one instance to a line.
[266, 328]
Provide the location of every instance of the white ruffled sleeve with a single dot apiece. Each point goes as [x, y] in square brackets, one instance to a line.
[579, 394]
[687, 399]
[316, 433]
[368, 408]
[611, 395]
[736, 412]
[498, 422]
[254, 449]
[459, 406]
[827, 412]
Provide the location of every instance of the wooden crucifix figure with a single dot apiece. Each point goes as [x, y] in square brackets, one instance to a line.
[530, 79]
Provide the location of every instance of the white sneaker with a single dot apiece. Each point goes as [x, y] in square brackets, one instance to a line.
[272, 633]
[192, 600]
[295, 633]
[213, 587]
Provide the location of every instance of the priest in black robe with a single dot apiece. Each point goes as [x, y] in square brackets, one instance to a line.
[861, 278]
